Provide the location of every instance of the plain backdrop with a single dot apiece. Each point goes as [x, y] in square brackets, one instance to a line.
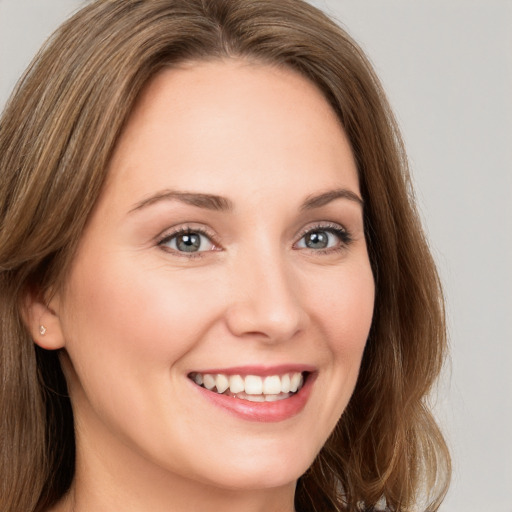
[447, 68]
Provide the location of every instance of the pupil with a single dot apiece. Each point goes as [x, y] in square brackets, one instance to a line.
[189, 242]
[317, 240]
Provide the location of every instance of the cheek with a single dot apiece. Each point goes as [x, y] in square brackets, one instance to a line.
[128, 328]
[344, 308]
[345, 315]
[127, 315]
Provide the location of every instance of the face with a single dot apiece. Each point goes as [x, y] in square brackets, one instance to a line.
[217, 309]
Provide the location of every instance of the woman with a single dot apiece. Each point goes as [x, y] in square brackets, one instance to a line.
[215, 290]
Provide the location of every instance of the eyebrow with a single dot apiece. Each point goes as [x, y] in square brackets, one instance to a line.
[207, 201]
[219, 203]
[320, 200]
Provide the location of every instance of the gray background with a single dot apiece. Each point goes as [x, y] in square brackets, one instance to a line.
[447, 68]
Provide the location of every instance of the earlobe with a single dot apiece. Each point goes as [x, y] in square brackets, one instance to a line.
[43, 322]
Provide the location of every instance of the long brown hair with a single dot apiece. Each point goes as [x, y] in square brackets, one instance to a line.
[57, 135]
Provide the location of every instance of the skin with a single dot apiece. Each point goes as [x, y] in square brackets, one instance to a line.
[137, 316]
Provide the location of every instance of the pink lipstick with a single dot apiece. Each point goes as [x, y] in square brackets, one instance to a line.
[263, 394]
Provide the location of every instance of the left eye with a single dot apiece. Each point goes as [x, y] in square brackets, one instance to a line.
[189, 241]
[322, 239]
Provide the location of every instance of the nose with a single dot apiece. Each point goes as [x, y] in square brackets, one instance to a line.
[265, 301]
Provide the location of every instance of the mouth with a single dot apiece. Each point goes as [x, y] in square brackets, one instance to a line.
[253, 388]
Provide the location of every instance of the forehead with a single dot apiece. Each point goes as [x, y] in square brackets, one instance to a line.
[204, 124]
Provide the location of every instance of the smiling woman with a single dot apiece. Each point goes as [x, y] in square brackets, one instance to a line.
[215, 292]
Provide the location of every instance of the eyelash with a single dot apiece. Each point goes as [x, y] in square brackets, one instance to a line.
[344, 236]
[185, 231]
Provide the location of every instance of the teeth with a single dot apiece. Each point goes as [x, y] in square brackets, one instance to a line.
[296, 382]
[221, 383]
[209, 381]
[236, 384]
[252, 387]
[255, 398]
[285, 383]
[272, 385]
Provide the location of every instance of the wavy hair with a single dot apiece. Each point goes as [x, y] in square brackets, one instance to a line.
[57, 135]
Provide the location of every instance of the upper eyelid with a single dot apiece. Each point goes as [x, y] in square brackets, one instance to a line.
[186, 228]
[322, 225]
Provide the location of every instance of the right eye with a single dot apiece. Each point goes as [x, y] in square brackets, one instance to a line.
[188, 241]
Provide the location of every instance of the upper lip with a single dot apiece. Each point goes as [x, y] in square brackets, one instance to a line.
[261, 370]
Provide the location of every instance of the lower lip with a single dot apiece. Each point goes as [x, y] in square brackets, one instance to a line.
[268, 412]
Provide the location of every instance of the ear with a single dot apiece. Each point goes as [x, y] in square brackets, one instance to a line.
[42, 321]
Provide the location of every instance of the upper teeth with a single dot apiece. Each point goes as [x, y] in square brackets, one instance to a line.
[250, 384]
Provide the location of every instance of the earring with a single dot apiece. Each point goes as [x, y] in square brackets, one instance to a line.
[42, 330]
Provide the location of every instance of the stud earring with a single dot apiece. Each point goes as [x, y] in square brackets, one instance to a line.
[42, 330]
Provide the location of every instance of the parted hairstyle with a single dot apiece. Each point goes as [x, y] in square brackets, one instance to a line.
[57, 135]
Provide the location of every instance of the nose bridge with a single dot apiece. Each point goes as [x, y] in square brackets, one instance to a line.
[265, 299]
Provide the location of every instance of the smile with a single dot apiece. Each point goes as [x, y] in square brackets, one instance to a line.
[253, 388]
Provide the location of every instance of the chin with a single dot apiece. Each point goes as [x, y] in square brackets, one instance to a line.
[250, 478]
[261, 471]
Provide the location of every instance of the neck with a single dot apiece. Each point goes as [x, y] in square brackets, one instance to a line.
[107, 483]
[208, 500]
